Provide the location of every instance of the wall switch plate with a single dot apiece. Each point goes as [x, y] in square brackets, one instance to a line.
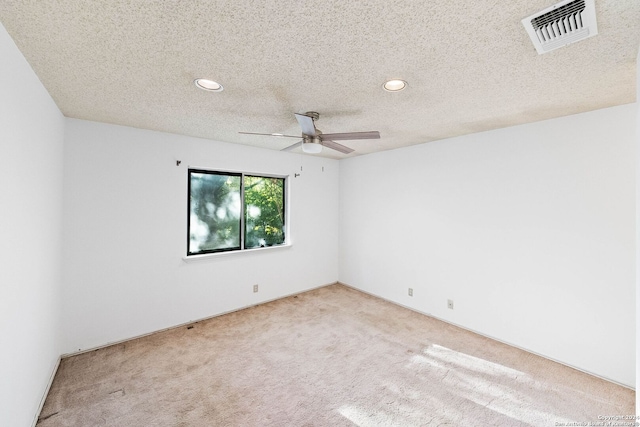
[255, 288]
[450, 304]
[410, 292]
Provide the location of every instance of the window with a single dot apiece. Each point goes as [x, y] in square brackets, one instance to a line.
[234, 211]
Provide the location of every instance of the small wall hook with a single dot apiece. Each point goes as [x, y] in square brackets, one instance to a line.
[178, 162]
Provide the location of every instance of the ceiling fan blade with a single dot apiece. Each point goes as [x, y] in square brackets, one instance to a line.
[335, 146]
[306, 124]
[351, 135]
[291, 147]
[270, 134]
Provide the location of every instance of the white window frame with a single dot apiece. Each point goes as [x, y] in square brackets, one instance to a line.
[242, 249]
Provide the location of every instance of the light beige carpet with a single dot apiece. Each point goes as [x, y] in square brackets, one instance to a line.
[329, 357]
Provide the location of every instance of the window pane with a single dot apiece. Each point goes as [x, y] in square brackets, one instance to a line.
[264, 211]
[214, 212]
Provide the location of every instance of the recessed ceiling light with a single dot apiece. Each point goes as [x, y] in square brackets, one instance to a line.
[394, 85]
[209, 85]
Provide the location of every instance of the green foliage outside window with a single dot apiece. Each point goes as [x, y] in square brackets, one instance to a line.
[215, 206]
[264, 211]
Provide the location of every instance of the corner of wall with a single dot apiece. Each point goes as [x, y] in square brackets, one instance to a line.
[32, 179]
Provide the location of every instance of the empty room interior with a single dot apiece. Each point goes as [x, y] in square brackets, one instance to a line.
[319, 213]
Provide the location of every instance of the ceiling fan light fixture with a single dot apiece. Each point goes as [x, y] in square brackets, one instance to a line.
[208, 85]
[395, 85]
[311, 147]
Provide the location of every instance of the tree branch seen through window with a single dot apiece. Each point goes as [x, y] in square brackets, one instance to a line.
[233, 211]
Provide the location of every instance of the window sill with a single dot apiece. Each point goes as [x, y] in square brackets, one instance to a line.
[203, 257]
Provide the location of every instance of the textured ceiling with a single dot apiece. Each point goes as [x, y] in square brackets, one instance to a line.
[470, 65]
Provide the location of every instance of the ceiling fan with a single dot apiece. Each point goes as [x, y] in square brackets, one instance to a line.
[313, 139]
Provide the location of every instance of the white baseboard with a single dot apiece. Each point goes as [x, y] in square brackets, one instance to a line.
[181, 325]
[490, 337]
[46, 391]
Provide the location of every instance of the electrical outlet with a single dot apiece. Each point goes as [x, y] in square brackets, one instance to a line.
[450, 304]
[255, 288]
[410, 292]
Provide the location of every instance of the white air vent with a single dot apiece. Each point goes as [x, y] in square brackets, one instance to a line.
[561, 24]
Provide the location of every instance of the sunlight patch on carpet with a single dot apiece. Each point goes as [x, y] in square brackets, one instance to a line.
[472, 363]
[371, 418]
[475, 379]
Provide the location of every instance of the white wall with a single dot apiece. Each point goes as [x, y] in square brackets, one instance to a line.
[125, 233]
[31, 135]
[529, 229]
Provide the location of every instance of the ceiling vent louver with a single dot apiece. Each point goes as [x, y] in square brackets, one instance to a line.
[561, 24]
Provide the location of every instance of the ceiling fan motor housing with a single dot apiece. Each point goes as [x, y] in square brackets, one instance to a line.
[312, 114]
